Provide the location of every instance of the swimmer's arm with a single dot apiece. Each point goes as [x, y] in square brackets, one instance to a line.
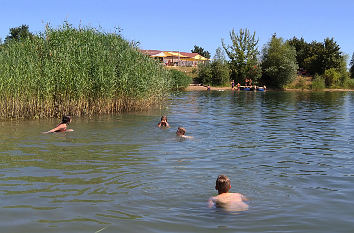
[58, 128]
[167, 125]
[244, 198]
[211, 202]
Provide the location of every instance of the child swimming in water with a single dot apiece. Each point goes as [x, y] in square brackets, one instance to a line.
[163, 122]
[62, 126]
[181, 133]
[228, 201]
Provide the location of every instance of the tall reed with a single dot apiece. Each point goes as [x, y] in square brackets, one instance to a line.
[77, 71]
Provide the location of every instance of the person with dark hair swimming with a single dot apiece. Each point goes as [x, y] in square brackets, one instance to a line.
[62, 126]
[163, 122]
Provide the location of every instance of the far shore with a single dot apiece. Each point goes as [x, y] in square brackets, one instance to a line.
[204, 88]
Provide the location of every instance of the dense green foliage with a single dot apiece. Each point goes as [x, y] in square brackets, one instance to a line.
[204, 75]
[318, 83]
[216, 73]
[317, 57]
[243, 53]
[19, 33]
[351, 69]
[77, 71]
[179, 80]
[278, 63]
[200, 51]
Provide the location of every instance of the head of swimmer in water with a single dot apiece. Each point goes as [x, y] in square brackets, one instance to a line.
[65, 120]
[223, 184]
[163, 121]
[181, 131]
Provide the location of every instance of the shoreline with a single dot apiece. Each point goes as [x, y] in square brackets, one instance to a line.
[204, 88]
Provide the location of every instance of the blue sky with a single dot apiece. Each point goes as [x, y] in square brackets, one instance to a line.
[181, 24]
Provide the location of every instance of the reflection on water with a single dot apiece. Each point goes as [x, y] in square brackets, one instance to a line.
[291, 153]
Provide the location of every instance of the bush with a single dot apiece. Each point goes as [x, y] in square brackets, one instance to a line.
[204, 74]
[318, 83]
[349, 83]
[220, 73]
[278, 63]
[179, 80]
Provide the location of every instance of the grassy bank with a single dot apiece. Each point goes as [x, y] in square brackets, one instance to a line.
[78, 72]
[316, 83]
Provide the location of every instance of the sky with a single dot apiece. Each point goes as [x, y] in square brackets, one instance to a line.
[179, 25]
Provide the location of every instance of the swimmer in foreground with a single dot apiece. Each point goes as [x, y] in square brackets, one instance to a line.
[228, 201]
[62, 126]
[181, 133]
[163, 122]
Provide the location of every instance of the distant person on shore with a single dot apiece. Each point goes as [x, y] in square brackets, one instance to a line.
[62, 126]
[163, 122]
[208, 88]
[224, 199]
[238, 86]
[181, 133]
[246, 82]
[232, 84]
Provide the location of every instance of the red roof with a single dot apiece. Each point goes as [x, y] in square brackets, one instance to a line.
[150, 52]
[154, 52]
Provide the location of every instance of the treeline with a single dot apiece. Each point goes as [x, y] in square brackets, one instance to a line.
[78, 71]
[279, 62]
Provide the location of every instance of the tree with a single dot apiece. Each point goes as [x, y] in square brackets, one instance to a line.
[242, 54]
[323, 56]
[278, 63]
[19, 33]
[200, 51]
[220, 69]
[219, 55]
[204, 75]
[351, 69]
[302, 50]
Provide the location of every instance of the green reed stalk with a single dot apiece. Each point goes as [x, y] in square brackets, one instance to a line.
[79, 72]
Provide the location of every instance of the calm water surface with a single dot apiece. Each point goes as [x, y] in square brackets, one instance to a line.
[291, 153]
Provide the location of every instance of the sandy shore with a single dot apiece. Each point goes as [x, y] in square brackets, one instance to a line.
[202, 88]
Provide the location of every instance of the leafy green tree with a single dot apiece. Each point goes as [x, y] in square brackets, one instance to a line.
[278, 63]
[200, 51]
[332, 77]
[323, 56]
[219, 55]
[242, 53]
[204, 75]
[302, 50]
[220, 69]
[216, 72]
[179, 80]
[18, 33]
[351, 69]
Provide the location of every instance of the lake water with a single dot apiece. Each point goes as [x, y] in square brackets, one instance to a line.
[290, 153]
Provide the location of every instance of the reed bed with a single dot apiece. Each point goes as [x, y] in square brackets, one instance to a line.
[77, 71]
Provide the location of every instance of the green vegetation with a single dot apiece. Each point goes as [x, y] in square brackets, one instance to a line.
[79, 72]
[200, 51]
[243, 55]
[351, 70]
[19, 33]
[318, 83]
[278, 63]
[216, 73]
[180, 80]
